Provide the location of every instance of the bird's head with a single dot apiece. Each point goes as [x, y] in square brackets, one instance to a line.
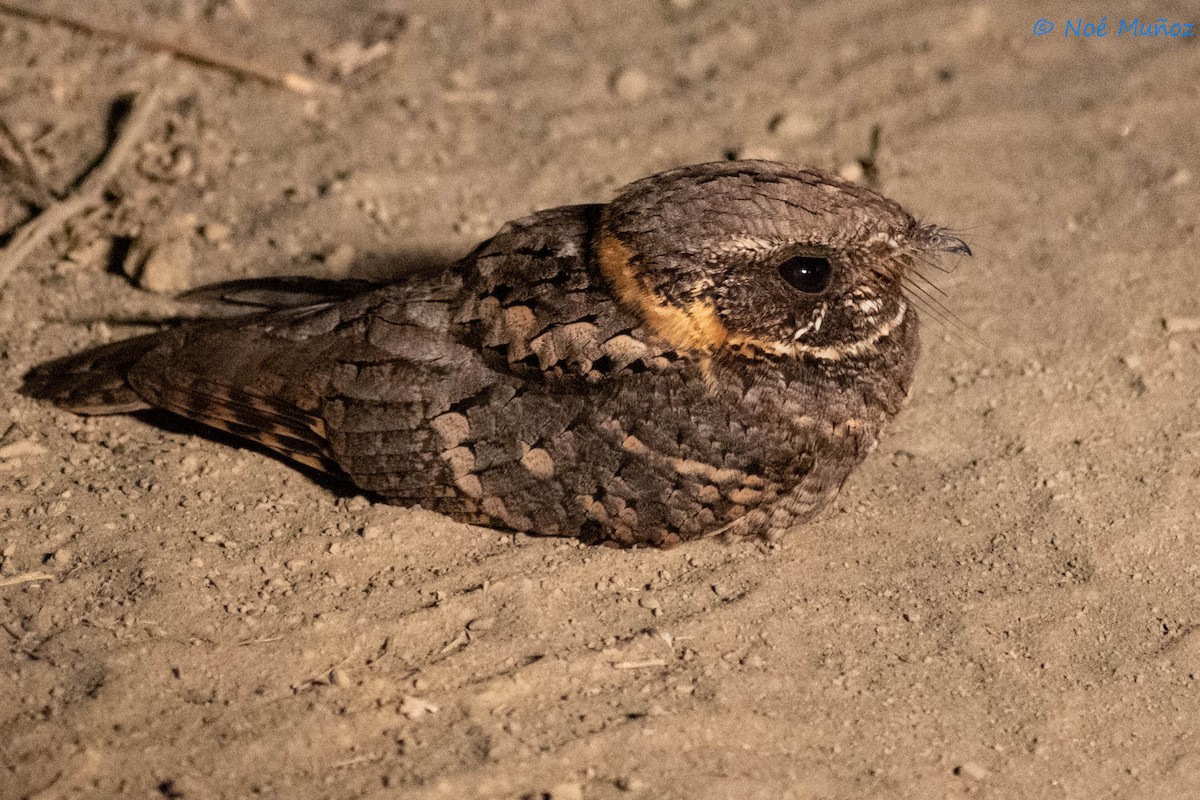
[766, 258]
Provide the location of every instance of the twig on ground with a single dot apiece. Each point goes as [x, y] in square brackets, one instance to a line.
[263, 640]
[185, 51]
[90, 193]
[649, 662]
[32, 182]
[26, 577]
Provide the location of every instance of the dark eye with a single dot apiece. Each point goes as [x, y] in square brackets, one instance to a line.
[809, 274]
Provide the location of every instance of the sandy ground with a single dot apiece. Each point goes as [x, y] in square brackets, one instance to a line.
[1001, 605]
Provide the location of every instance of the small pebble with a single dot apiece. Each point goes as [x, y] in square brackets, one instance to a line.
[1182, 324]
[350, 56]
[627, 783]
[631, 84]
[415, 707]
[853, 171]
[972, 770]
[164, 267]
[216, 232]
[22, 449]
[338, 261]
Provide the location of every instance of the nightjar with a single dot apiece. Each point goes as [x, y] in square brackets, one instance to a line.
[715, 350]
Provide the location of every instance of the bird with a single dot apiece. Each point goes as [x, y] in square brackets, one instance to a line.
[713, 351]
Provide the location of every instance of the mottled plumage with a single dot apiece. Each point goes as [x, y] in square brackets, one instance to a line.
[716, 349]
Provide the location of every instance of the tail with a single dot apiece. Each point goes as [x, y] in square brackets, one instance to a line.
[200, 373]
[94, 381]
[225, 372]
[274, 294]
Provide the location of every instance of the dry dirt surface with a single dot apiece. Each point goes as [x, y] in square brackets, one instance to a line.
[1002, 604]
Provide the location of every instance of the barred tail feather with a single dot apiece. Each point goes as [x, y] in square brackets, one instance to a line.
[271, 422]
[150, 372]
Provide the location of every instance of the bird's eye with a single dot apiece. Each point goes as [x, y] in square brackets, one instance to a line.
[809, 274]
